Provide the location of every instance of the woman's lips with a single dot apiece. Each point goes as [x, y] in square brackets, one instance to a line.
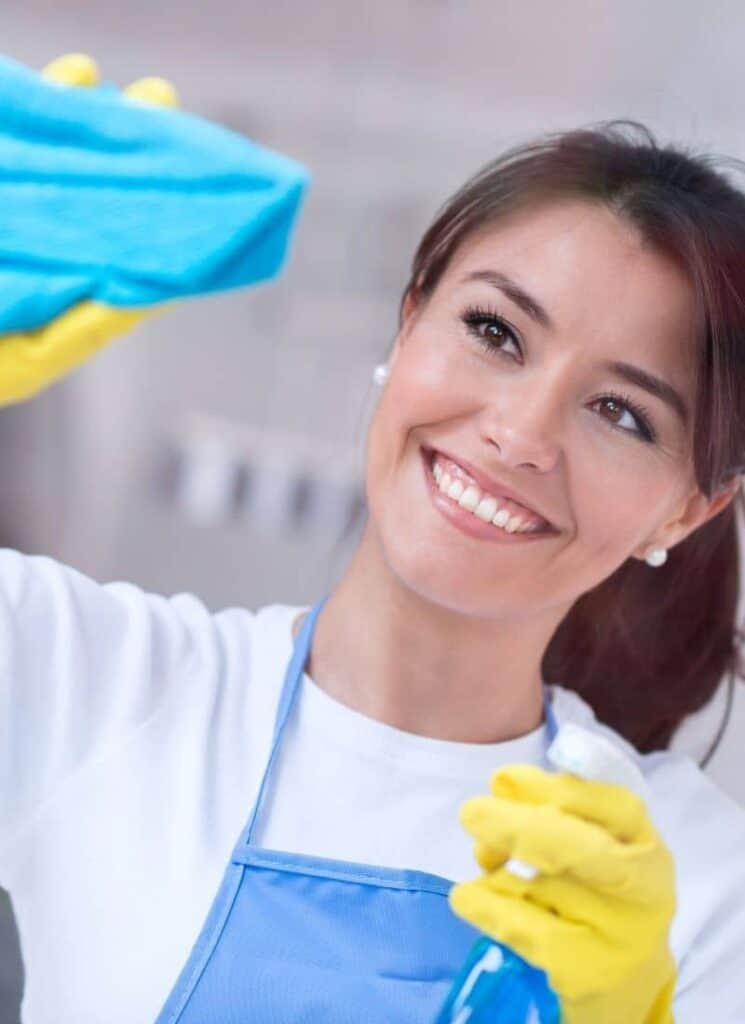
[466, 521]
[486, 484]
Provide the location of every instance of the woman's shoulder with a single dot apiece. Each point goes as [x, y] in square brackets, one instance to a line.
[268, 628]
[678, 789]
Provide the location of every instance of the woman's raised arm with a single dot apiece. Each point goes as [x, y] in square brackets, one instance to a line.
[113, 205]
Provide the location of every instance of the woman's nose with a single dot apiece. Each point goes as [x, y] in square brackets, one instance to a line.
[526, 430]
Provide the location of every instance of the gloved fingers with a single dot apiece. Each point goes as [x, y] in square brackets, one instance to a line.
[616, 808]
[491, 856]
[158, 91]
[533, 933]
[81, 70]
[30, 360]
[73, 69]
[554, 842]
[588, 959]
[561, 896]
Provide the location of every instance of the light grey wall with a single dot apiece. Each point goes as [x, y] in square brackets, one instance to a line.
[391, 106]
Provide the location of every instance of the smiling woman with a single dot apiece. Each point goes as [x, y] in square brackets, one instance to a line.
[627, 643]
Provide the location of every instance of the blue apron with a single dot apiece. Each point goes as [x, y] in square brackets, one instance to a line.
[295, 939]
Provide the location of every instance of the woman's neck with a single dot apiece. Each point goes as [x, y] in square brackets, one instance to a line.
[391, 655]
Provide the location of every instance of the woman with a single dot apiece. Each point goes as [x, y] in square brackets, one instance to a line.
[563, 410]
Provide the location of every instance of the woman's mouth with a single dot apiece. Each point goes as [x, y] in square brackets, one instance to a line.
[474, 511]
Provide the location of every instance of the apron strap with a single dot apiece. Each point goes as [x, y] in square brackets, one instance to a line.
[290, 687]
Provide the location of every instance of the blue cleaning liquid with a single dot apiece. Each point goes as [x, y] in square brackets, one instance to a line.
[496, 986]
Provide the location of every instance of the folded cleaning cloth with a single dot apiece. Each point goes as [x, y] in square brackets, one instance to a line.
[108, 199]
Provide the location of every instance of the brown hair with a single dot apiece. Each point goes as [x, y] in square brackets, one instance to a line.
[647, 646]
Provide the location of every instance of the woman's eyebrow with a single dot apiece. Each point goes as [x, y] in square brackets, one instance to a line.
[633, 374]
[654, 385]
[529, 305]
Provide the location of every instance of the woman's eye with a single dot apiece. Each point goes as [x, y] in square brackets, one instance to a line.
[490, 331]
[637, 419]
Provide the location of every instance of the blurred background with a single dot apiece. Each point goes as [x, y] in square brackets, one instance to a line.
[218, 449]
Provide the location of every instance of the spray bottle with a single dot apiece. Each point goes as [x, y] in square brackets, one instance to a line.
[495, 985]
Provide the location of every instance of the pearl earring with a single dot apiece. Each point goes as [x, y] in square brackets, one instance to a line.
[380, 373]
[656, 557]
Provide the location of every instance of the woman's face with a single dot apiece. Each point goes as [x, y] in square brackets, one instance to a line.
[531, 402]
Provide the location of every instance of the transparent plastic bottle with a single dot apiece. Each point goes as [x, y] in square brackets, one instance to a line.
[495, 985]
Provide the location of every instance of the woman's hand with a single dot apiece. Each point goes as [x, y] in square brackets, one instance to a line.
[597, 917]
[31, 360]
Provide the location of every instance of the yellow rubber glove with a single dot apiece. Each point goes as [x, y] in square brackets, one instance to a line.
[597, 918]
[31, 360]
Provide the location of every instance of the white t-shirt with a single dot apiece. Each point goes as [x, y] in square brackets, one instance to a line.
[134, 732]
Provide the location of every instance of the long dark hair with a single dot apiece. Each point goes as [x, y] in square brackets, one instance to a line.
[647, 646]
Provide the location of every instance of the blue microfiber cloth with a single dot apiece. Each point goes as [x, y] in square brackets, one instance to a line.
[106, 198]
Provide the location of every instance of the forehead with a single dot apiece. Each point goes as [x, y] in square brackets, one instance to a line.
[599, 282]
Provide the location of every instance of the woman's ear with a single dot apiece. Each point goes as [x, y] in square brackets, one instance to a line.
[721, 499]
[697, 511]
[410, 309]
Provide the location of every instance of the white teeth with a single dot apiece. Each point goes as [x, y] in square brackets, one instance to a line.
[469, 498]
[484, 506]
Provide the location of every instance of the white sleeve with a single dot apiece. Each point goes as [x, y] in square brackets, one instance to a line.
[81, 666]
[706, 831]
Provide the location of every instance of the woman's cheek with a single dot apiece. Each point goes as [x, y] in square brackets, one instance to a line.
[434, 383]
[613, 517]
